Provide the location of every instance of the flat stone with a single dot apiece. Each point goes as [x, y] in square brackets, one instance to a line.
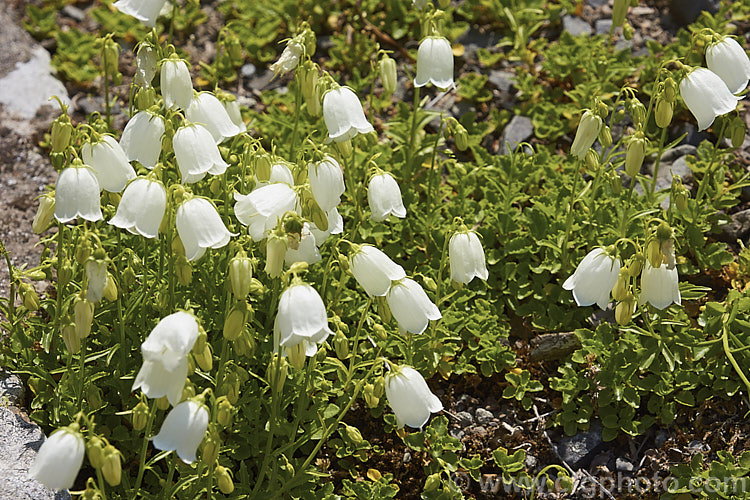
[74, 12]
[11, 388]
[676, 152]
[19, 443]
[576, 26]
[738, 228]
[687, 11]
[483, 416]
[597, 3]
[503, 80]
[465, 418]
[248, 70]
[516, 131]
[30, 85]
[623, 465]
[679, 167]
[579, 449]
[698, 447]
[602, 26]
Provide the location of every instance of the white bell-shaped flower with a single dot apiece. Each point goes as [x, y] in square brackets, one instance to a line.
[594, 278]
[59, 459]
[183, 430]
[165, 353]
[466, 257]
[659, 286]
[96, 275]
[233, 110]
[729, 60]
[146, 66]
[196, 153]
[301, 316]
[326, 182]
[280, 172]
[344, 115]
[384, 197]
[307, 251]
[207, 110]
[374, 270]
[109, 162]
[335, 226]
[410, 306]
[289, 58]
[77, 194]
[176, 85]
[586, 134]
[410, 398]
[146, 11]
[706, 96]
[141, 139]
[434, 63]
[200, 227]
[141, 208]
[260, 210]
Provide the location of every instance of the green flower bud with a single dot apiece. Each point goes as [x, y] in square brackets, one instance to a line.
[224, 480]
[29, 295]
[461, 136]
[620, 290]
[64, 275]
[245, 344]
[83, 249]
[94, 396]
[670, 90]
[681, 196]
[737, 130]
[263, 166]
[44, 213]
[388, 75]
[224, 413]
[625, 309]
[605, 136]
[235, 320]
[110, 289]
[71, 339]
[111, 57]
[296, 355]
[591, 161]
[353, 434]
[341, 345]
[140, 416]
[90, 493]
[95, 451]
[663, 113]
[637, 112]
[211, 446]
[309, 80]
[62, 130]
[344, 148]
[277, 383]
[162, 403]
[275, 252]
[653, 253]
[205, 359]
[627, 31]
[368, 392]
[635, 154]
[432, 482]
[240, 275]
[128, 276]
[588, 130]
[233, 46]
[615, 182]
[112, 466]
[183, 270]
[619, 10]
[145, 98]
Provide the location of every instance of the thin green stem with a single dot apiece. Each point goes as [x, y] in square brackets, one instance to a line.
[413, 132]
[569, 220]
[726, 320]
[144, 446]
[297, 113]
[170, 476]
[659, 152]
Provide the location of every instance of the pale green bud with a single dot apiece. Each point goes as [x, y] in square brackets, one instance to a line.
[110, 289]
[277, 383]
[296, 355]
[240, 275]
[112, 466]
[44, 214]
[341, 345]
[263, 166]
[275, 253]
[625, 309]
[224, 480]
[95, 451]
[605, 136]
[737, 130]
[184, 270]
[432, 482]
[205, 359]
[353, 434]
[62, 130]
[235, 320]
[162, 403]
[71, 339]
[224, 413]
[588, 130]
[620, 290]
[461, 136]
[29, 295]
[635, 154]
[140, 416]
[663, 113]
[388, 75]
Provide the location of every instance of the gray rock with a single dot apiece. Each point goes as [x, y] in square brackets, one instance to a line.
[248, 70]
[693, 137]
[578, 450]
[745, 196]
[698, 447]
[74, 12]
[407, 457]
[457, 433]
[738, 228]
[480, 431]
[483, 416]
[531, 461]
[516, 131]
[473, 39]
[11, 388]
[465, 418]
[679, 167]
[602, 26]
[576, 26]
[676, 152]
[661, 438]
[30, 85]
[597, 3]
[687, 11]
[623, 465]
[19, 443]
[503, 80]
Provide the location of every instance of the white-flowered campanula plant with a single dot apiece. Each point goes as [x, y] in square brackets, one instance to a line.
[146, 11]
[344, 115]
[142, 207]
[183, 430]
[410, 397]
[434, 63]
[77, 194]
[200, 227]
[196, 153]
[176, 84]
[706, 96]
[384, 197]
[306, 251]
[594, 278]
[165, 351]
[301, 319]
[326, 182]
[109, 162]
[411, 306]
[729, 60]
[659, 286]
[59, 459]
[466, 257]
[141, 139]
[207, 110]
[260, 210]
[374, 270]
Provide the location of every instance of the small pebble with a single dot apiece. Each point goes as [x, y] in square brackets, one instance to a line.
[483, 416]
[623, 465]
[465, 418]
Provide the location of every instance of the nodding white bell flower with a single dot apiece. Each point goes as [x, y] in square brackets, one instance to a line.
[176, 85]
[434, 63]
[165, 353]
[410, 397]
[142, 207]
[344, 115]
[289, 58]
[146, 65]
[183, 430]
[260, 210]
[384, 197]
[77, 194]
[141, 139]
[301, 317]
[335, 226]
[659, 286]
[410, 306]
[706, 96]
[280, 172]
[196, 153]
[207, 110]
[200, 227]
[109, 162]
[729, 60]
[96, 275]
[307, 251]
[374, 270]
[59, 459]
[594, 278]
[588, 131]
[146, 11]
[233, 110]
[326, 182]
[466, 257]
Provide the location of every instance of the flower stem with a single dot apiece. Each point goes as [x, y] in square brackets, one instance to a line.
[413, 133]
[569, 220]
[659, 152]
[144, 446]
[297, 112]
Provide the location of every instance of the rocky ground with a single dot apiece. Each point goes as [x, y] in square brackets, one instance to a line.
[479, 417]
